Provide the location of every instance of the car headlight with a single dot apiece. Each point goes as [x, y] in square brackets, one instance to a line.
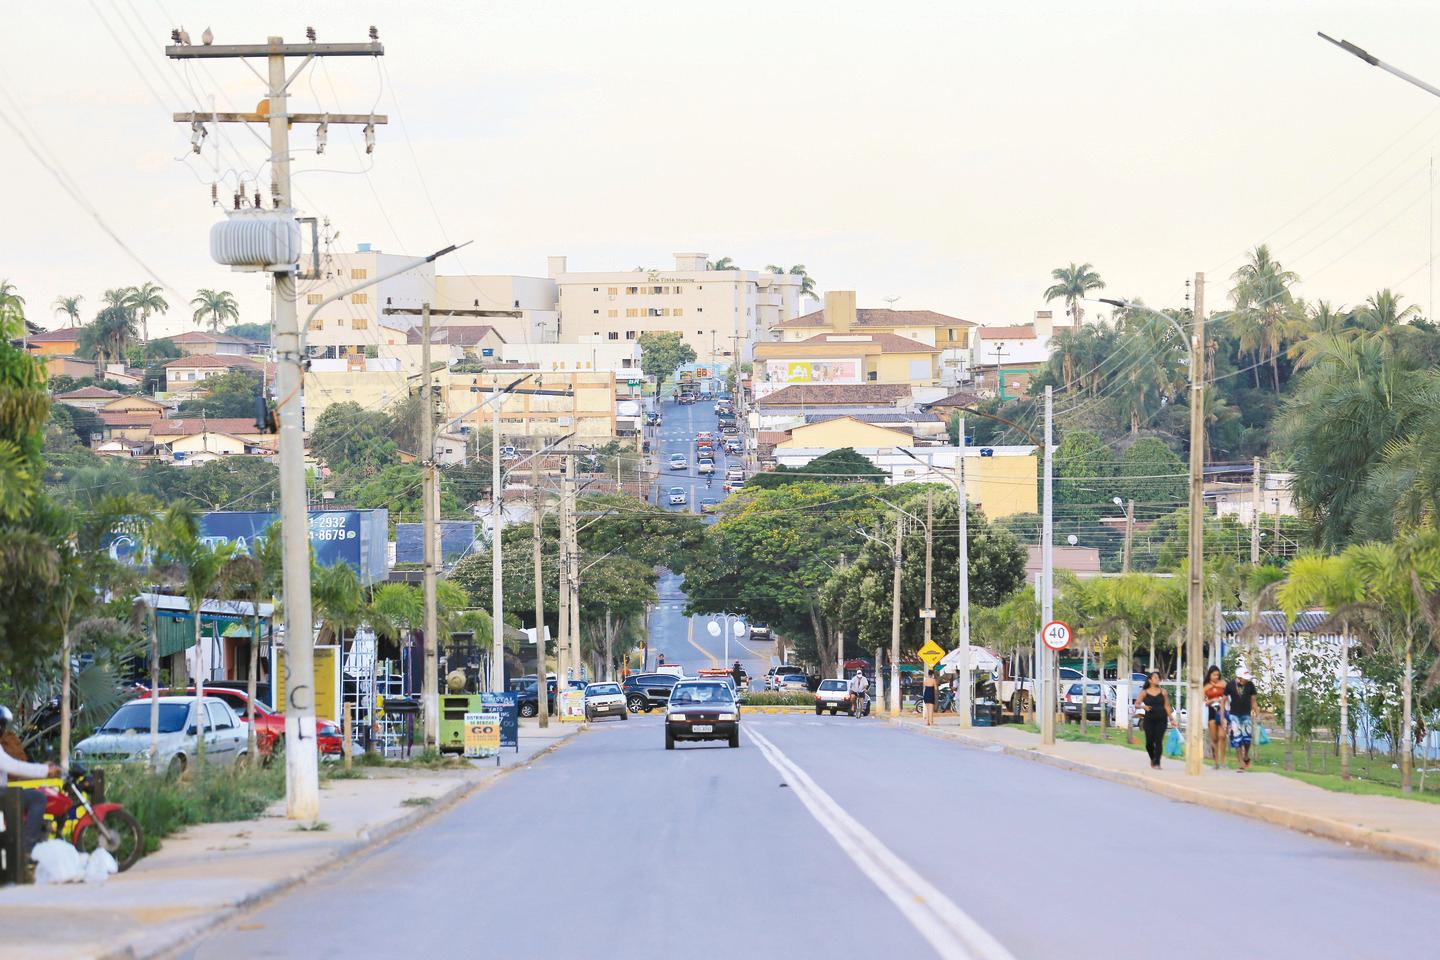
[675, 716]
[727, 716]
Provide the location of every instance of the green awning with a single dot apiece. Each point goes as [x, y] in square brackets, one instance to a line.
[176, 631]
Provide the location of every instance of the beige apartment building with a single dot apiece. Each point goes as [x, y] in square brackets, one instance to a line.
[586, 404]
[720, 313]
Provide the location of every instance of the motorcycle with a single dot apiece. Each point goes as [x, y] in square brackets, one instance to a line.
[71, 815]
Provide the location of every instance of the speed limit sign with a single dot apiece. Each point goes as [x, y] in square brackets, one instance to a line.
[1056, 635]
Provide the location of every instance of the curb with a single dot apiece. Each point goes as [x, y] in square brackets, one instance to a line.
[1405, 847]
[137, 948]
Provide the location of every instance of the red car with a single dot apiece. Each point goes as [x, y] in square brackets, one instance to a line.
[269, 724]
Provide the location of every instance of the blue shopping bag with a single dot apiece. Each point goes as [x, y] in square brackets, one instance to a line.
[1261, 737]
[1174, 743]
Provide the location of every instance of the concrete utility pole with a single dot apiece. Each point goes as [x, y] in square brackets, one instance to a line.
[1129, 535]
[966, 689]
[302, 781]
[1194, 608]
[1255, 513]
[572, 486]
[929, 550]
[430, 683]
[563, 664]
[497, 555]
[1043, 656]
[895, 621]
[542, 684]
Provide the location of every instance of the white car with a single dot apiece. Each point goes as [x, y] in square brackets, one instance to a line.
[125, 737]
[678, 461]
[677, 496]
[833, 695]
[605, 700]
[705, 466]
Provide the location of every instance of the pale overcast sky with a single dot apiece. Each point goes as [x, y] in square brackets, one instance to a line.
[950, 154]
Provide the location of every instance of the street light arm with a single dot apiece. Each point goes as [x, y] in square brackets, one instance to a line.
[1132, 305]
[930, 465]
[1375, 61]
[409, 265]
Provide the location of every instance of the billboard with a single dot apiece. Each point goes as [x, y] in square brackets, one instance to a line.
[354, 537]
[457, 537]
[813, 371]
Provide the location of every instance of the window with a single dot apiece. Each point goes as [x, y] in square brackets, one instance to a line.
[679, 311]
[629, 335]
[314, 298]
[319, 324]
[612, 290]
[632, 289]
[359, 323]
[658, 290]
[872, 376]
[594, 289]
[632, 311]
[613, 313]
[359, 298]
[613, 335]
[596, 312]
[698, 333]
[358, 273]
[699, 309]
[951, 334]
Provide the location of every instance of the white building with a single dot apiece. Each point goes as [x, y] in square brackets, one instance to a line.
[720, 313]
[521, 309]
[591, 354]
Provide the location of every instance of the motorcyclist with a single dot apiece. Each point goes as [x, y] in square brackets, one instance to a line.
[32, 802]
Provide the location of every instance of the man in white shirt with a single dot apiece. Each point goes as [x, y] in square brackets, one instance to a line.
[32, 802]
[859, 683]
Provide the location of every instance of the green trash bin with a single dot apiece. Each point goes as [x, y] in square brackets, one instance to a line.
[452, 720]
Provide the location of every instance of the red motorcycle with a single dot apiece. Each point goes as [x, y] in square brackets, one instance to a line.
[71, 815]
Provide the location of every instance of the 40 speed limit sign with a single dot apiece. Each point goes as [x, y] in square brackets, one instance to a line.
[1056, 635]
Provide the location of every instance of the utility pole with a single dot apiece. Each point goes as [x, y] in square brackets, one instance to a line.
[302, 779]
[1043, 655]
[1255, 513]
[542, 683]
[929, 550]
[572, 482]
[497, 555]
[429, 685]
[966, 688]
[1194, 608]
[562, 596]
[895, 622]
[1129, 535]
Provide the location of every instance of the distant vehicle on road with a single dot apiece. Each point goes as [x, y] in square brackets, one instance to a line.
[646, 691]
[705, 466]
[704, 435]
[709, 505]
[605, 700]
[653, 419]
[527, 700]
[677, 496]
[678, 461]
[792, 681]
[125, 736]
[733, 486]
[760, 631]
[734, 473]
[833, 695]
[702, 710]
[1070, 703]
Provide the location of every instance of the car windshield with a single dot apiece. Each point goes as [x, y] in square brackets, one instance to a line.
[600, 689]
[833, 685]
[136, 716]
[716, 693]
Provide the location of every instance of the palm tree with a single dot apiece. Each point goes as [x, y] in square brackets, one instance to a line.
[807, 285]
[1072, 284]
[1383, 320]
[338, 600]
[145, 300]
[108, 337]
[1266, 312]
[724, 263]
[12, 311]
[218, 305]
[70, 306]
[199, 567]
[254, 577]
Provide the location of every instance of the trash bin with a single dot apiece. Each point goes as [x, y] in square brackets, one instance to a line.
[987, 713]
[452, 720]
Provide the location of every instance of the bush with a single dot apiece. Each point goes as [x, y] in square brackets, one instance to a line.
[793, 698]
[164, 805]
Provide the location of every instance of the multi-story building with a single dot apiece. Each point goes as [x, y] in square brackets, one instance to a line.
[521, 309]
[721, 314]
[582, 402]
[1006, 358]
[950, 335]
[834, 347]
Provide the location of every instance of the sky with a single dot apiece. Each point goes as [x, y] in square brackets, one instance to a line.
[948, 154]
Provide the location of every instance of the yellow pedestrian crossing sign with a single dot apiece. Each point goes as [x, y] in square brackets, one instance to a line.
[932, 653]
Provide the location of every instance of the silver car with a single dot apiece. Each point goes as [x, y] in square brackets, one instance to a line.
[125, 737]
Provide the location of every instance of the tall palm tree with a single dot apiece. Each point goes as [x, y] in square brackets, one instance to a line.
[70, 306]
[200, 567]
[146, 300]
[108, 337]
[1383, 320]
[724, 263]
[1266, 312]
[218, 305]
[338, 600]
[117, 297]
[254, 577]
[1072, 284]
[807, 285]
[12, 311]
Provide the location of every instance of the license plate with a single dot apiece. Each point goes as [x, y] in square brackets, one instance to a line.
[703, 728]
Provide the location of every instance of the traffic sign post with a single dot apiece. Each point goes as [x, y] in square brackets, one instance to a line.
[932, 653]
[1056, 635]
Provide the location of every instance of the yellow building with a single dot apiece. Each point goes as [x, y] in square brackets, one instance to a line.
[840, 344]
[844, 432]
[64, 342]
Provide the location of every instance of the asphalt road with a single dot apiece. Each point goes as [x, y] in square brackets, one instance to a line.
[836, 837]
[682, 640]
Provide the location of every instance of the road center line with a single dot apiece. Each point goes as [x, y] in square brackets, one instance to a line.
[951, 931]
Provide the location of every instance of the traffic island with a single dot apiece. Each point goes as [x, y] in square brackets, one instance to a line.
[1401, 828]
[207, 874]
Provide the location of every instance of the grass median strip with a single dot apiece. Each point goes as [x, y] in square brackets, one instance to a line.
[164, 805]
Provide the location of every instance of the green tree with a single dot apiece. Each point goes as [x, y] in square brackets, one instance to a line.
[661, 354]
[1153, 475]
[1267, 315]
[12, 311]
[70, 307]
[255, 577]
[108, 337]
[1072, 284]
[216, 306]
[353, 440]
[836, 466]
[259, 332]
[1084, 472]
[724, 263]
[145, 301]
[231, 394]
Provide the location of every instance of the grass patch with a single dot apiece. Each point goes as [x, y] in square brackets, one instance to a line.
[417, 801]
[318, 826]
[336, 771]
[792, 698]
[163, 805]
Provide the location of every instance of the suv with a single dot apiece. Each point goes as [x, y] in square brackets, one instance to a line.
[1071, 701]
[527, 701]
[646, 691]
[773, 675]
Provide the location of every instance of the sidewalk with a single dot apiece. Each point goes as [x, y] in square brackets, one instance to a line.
[1403, 828]
[203, 875]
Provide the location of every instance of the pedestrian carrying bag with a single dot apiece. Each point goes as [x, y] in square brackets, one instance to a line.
[1174, 745]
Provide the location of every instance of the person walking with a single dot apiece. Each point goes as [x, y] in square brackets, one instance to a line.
[1215, 714]
[927, 697]
[1154, 706]
[1240, 697]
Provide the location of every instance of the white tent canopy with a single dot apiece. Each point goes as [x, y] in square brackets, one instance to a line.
[981, 659]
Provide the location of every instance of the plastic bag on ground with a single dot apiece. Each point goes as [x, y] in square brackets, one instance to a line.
[99, 866]
[57, 862]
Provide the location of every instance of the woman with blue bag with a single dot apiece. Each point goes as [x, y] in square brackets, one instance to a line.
[1153, 704]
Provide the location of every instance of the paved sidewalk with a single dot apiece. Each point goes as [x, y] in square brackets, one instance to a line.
[204, 874]
[1406, 828]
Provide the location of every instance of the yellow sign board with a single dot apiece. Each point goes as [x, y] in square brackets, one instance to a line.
[327, 682]
[932, 653]
[482, 734]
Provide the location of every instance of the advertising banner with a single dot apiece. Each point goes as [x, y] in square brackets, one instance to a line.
[813, 371]
[572, 705]
[506, 706]
[327, 682]
[482, 734]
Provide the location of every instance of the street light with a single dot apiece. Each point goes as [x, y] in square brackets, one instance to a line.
[964, 689]
[1375, 61]
[1194, 639]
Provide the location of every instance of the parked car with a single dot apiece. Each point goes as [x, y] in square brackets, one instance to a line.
[527, 700]
[773, 675]
[702, 710]
[269, 724]
[705, 466]
[605, 700]
[733, 486]
[792, 682]
[734, 473]
[833, 695]
[677, 496]
[1070, 703]
[125, 736]
[678, 461]
[646, 691]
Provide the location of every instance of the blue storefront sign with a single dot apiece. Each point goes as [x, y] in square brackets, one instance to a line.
[506, 704]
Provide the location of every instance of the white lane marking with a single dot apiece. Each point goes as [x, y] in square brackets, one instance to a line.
[951, 931]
